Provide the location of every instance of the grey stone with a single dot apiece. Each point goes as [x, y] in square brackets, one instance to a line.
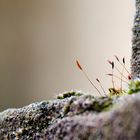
[82, 117]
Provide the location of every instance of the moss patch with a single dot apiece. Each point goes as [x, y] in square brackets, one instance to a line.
[68, 94]
[134, 87]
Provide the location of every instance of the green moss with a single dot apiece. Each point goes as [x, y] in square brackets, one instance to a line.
[66, 108]
[115, 92]
[96, 104]
[134, 87]
[103, 104]
[68, 94]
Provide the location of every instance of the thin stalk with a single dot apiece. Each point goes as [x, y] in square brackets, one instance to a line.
[118, 78]
[113, 79]
[101, 86]
[121, 73]
[122, 77]
[122, 64]
[80, 67]
[91, 83]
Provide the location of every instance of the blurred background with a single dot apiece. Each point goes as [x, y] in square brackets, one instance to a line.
[41, 39]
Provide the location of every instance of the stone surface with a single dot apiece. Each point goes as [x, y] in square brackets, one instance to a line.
[74, 116]
[135, 61]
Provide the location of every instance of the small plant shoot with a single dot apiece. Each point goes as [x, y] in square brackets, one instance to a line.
[80, 67]
[134, 86]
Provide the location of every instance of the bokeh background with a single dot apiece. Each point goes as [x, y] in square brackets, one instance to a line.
[41, 39]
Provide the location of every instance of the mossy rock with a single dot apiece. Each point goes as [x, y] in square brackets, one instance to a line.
[78, 116]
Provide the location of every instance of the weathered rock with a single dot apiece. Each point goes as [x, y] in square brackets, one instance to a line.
[135, 61]
[74, 117]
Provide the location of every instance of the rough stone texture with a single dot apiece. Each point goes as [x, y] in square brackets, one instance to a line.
[135, 61]
[74, 117]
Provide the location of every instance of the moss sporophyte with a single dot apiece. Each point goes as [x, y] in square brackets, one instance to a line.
[133, 85]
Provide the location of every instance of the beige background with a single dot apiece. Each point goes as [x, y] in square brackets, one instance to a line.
[40, 40]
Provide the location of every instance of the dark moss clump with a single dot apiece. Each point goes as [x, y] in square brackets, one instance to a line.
[68, 94]
[134, 87]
